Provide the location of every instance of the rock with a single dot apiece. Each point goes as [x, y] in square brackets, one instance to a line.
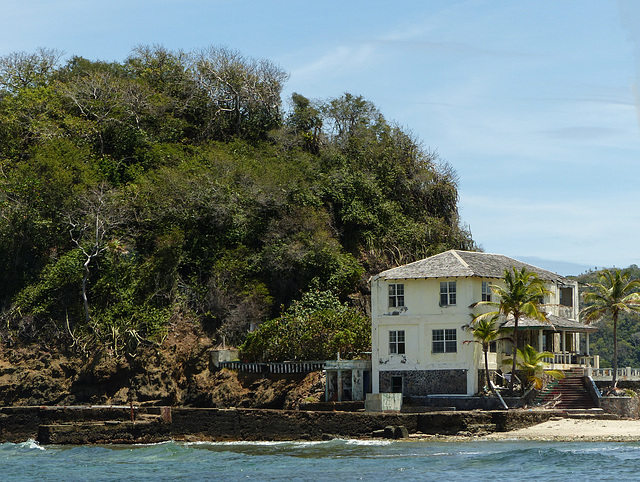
[400, 432]
[389, 431]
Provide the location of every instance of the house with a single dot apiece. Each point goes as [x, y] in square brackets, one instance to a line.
[420, 320]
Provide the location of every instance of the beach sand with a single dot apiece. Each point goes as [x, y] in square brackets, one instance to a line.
[569, 429]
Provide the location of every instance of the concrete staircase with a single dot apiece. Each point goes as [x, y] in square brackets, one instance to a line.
[568, 393]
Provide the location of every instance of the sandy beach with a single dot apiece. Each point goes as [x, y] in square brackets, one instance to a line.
[568, 429]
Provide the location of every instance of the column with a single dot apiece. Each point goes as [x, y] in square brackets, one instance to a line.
[587, 336]
[540, 339]
[327, 381]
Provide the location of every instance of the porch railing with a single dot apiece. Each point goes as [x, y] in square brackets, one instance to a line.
[566, 312]
[626, 373]
[570, 359]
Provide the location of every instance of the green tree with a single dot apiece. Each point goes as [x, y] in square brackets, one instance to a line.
[19, 70]
[531, 362]
[521, 297]
[485, 332]
[613, 294]
[314, 328]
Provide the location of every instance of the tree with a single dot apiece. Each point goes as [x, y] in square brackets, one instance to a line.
[531, 362]
[314, 328]
[90, 228]
[485, 332]
[306, 122]
[613, 294]
[244, 93]
[521, 296]
[20, 70]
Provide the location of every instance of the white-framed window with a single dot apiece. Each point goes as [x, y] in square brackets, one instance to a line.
[396, 295]
[396, 342]
[444, 341]
[486, 291]
[447, 293]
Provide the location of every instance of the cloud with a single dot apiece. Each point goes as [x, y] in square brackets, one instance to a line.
[340, 61]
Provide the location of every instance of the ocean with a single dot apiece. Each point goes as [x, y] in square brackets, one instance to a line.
[342, 460]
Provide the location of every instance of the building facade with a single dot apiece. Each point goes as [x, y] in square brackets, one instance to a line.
[421, 314]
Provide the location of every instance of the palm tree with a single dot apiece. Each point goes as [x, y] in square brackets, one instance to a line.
[531, 362]
[521, 297]
[613, 294]
[485, 332]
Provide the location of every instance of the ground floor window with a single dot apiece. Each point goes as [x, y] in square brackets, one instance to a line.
[444, 341]
[396, 384]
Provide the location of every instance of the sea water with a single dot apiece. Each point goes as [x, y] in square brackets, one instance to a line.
[342, 460]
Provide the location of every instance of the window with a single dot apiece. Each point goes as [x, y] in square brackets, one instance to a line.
[566, 296]
[396, 384]
[486, 291]
[396, 295]
[444, 341]
[447, 293]
[396, 342]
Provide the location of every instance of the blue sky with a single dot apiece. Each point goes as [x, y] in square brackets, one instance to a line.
[535, 104]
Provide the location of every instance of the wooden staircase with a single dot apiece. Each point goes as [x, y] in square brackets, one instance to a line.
[568, 393]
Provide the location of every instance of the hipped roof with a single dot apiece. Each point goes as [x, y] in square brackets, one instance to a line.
[460, 264]
[556, 323]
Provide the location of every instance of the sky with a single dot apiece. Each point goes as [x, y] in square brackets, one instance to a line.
[535, 104]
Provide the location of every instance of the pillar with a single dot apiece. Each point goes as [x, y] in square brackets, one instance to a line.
[587, 335]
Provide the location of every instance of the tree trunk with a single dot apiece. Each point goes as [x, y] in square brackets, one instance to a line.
[85, 299]
[615, 350]
[515, 354]
[486, 370]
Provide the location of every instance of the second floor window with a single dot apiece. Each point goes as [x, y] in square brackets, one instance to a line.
[447, 293]
[396, 295]
[396, 342]
[486, 291]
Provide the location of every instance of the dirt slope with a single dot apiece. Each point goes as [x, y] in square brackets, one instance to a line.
[176, 373]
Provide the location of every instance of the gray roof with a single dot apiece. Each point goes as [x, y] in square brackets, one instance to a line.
[455, 263]
[557, 323]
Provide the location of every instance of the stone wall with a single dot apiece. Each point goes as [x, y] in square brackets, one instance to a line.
[626, 407]
[99, 425]
[426, 382]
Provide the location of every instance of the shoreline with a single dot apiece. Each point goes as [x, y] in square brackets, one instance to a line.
[575, 430]
[77, 425]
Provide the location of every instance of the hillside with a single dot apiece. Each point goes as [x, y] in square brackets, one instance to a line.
[177, 191]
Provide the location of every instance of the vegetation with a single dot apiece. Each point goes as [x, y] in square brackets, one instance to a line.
[531, 362]
[318, 327]
[521, 296]
[174, 185]
[612, 295]
[485, 333]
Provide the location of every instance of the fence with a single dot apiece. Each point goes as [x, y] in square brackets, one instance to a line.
[627, 373]
[284, 367]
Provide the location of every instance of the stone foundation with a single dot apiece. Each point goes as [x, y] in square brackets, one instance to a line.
[426, 382]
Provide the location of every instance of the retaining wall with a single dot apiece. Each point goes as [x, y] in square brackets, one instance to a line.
[79, 425]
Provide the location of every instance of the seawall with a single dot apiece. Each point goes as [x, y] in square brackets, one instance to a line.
[81, 425]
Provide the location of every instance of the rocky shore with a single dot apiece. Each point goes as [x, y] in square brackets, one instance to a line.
[122, 424]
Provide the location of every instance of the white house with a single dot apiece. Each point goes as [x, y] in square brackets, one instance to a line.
[420, 315]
